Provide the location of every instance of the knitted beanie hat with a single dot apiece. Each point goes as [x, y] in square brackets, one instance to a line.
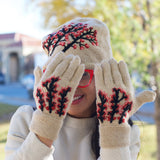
[88, 38]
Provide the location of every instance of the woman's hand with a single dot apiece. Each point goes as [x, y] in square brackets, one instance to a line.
[116, 102]
[53, 92]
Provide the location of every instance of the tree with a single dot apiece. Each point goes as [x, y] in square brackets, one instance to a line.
[57, 12]
[134, 27]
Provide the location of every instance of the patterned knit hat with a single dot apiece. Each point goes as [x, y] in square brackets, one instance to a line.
[88, 38]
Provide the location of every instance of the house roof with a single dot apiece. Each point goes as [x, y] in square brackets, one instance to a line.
[7, 36]
[17, 39]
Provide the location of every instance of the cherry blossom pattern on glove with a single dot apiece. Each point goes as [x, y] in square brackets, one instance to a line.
[55, 100]
[72, 35]
[113, 107]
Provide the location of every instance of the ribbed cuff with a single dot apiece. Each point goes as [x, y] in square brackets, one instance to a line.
[46, 125]
[114, 136]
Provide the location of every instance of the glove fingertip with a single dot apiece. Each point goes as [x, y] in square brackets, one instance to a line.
[97, 68]
[152, 95]
[145, 96]
[78, 73]
[81, 69]
[37, 74]
[78, 59]
[38, 71]
[99, 78]
[82, 66]
[104, 63]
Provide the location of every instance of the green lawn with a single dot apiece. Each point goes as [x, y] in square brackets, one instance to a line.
[148, 135]
[6, 109]
[5, 113]
[3, 137]
[148, 142]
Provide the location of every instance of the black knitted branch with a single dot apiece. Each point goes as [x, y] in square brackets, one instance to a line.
[127, 107]
[101, 106]
[114, 107]
[62, 101]
[40, 96]
[71, 36]
[115, 100]
[51, 87]
[118, 96]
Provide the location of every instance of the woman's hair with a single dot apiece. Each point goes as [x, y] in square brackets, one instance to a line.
[95, 138]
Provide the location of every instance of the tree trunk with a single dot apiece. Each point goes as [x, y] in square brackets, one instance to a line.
[157, 121]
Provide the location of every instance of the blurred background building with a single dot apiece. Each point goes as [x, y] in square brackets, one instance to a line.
[19, 54]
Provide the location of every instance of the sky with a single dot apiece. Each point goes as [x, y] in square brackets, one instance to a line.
[22, 17]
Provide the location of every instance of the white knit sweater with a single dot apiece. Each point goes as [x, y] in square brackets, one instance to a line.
[73, 142]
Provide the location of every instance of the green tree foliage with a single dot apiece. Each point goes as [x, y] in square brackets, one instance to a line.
[57, 12]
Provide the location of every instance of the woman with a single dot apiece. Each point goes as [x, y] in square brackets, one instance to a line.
[80, 85]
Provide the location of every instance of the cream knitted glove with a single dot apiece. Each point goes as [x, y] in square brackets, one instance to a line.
[116, 102]
[53, 93]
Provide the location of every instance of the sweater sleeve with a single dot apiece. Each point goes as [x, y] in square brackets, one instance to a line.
[21, 143]
[124, 153]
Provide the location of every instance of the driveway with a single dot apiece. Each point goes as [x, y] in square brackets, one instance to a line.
[15, 94]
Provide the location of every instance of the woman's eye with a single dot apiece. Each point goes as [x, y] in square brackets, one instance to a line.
[85, 74]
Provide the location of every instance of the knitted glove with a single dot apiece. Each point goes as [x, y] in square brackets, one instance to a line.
[53, 93]
[116, 102]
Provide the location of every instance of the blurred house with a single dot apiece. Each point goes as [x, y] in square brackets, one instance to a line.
[18, 54]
